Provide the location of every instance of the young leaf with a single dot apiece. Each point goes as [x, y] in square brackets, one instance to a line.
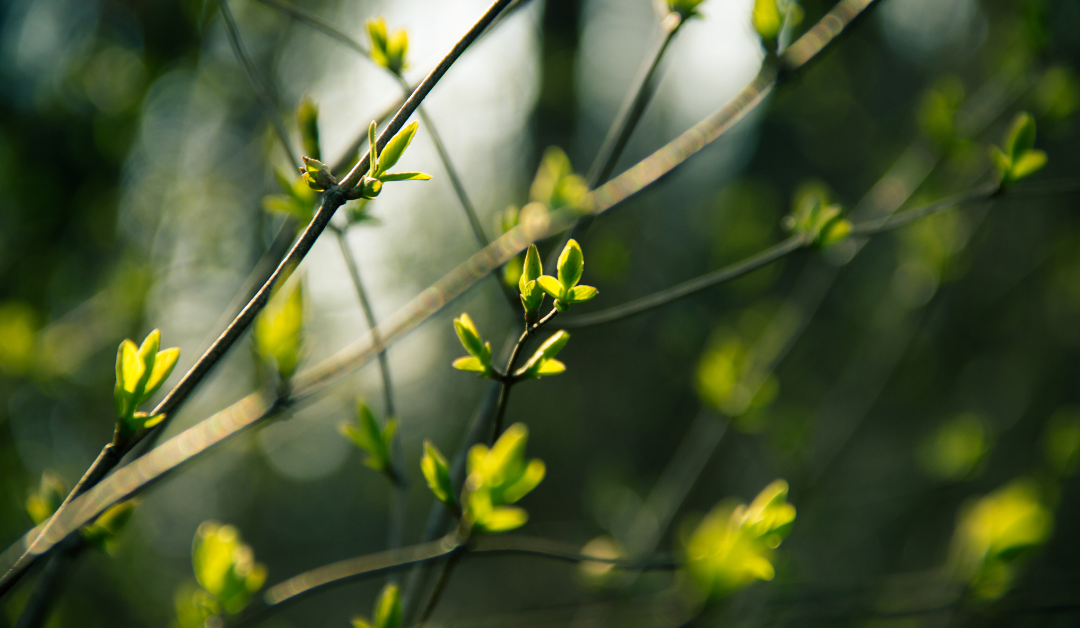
[1029, 163]
[369, 438]
[373, 149]
[532, 268]
[1021, 136]
[546, 353]
[164, 363]
[571, 265]
[503, 519]
[470, 338]
[469, 364]
[551, 286]
[395, 148]
[406, 176]
[766, 19]
[307, 115]
[581, 294]
[437, 473]
[388, 608]
[104, 530]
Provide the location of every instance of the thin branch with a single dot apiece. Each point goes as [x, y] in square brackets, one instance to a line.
[508, 378]
[637, 99]
[255, 407]
[262, 89]
[685, 289]
[332, 199]
[350, 570]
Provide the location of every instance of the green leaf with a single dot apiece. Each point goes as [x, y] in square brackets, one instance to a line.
[546, 353]
[554, 166]
[395, 148]
[163, 367]
[503, 519]
[369, 438]
[108, 525]
[405, 176]
[551, 367]
[571, 264]
[50, 494]
[128, 372]
[551, 286]
[470, 364]
[360, 622]
[388, 608]
[278, 331]
[685, 8]
[581, 294]
[1029, 163]
[373, 150]
[531, 269]
[766, 19]
[530, 479]
[307, 116]
[437, 473]
[471, 340]
[1001, 161]
[1021, 135]
[835, 231]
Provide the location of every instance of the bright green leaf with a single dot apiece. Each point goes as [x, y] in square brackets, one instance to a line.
[388, 608]
[551, 286]
[469, 364]
[503, 519]
[163, 367]
[1029, 163]
[395, 148]
[1021, 135]
[571, 265]
[307, 116]
[436, 471]
[766, 18]
[532, 268]
[581, 294]
[406, 176]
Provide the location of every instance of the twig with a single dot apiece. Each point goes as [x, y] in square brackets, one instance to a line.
[262, 89]
[240, 415]
[637, 99]
[342, 572]
[508, 377]
[48, 585]
[332, 199]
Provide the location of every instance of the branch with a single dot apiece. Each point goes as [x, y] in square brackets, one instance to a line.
[257, 406]
[336, 574]
[332, 199]
[262, 89]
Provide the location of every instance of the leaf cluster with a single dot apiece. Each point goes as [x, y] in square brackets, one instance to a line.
[815, 219]
[225, 568]
[370, 438]
[388, 49]
[497, 477]
[1018, 159]
[733, 546]
[565, 289]
[140, 372]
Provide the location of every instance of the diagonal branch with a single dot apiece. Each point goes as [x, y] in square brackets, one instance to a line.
[260, 405]
[332, 199]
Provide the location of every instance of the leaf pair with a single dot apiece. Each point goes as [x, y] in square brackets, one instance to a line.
[367, 435]
[380, 163]
[479, 359]
[140, 371]
[225, 567]
[497, 477]
[1019, 158]
[733, 546]
[278, 336]
[388, 49]
[564, 289]
[436, 471]
[387, 611]
[817, 220]
[543, 362]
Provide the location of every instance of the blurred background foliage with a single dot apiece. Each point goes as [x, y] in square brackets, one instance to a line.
[920, 399]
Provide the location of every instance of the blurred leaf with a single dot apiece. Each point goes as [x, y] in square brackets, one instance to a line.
[436, 471]
[497, 477]
[50, 494]
[278, 334]
[733, 545]
[225, 567]
[957, 448]
[307, 115]
[994, 533]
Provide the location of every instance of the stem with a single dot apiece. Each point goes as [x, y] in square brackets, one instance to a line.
[440, 586]
[399, 487]
[369, 314]
[36, 611]
[332, 200]
[626, 119]
[508, 379]
[262, 89]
